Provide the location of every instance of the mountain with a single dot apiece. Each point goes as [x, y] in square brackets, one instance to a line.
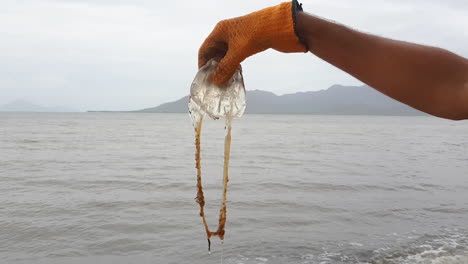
[336, 100]
[25, 106]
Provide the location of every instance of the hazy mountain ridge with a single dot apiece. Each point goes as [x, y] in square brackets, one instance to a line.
[338, 99]
[26, 106]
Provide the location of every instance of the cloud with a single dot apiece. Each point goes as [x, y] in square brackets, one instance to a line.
[124, 55]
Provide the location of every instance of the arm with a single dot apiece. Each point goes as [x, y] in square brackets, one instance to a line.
[430, 79]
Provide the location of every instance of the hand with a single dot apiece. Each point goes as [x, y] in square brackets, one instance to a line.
[233, 40]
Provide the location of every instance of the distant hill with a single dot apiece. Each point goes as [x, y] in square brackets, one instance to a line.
[25, 106]
[336, 100]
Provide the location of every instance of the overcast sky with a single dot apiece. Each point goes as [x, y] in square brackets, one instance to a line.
[127, 55]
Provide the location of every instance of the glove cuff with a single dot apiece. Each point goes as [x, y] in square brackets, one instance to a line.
[297, 7]
[275, 28]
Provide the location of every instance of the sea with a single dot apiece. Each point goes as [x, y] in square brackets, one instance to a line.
[113, 188]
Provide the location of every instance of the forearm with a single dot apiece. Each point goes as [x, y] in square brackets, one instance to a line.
[430, 79]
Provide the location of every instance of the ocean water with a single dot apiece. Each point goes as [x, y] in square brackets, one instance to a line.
[120, 188]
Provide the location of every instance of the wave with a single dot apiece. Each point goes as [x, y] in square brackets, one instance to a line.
[448, 248]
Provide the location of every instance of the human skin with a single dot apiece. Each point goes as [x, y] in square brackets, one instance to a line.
[430, 79]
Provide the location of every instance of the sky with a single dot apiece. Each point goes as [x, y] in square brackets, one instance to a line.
[133, 54]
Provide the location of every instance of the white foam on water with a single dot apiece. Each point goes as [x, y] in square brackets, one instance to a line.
[451, 260]
[423, 259]
[450, 248]
[356, 244]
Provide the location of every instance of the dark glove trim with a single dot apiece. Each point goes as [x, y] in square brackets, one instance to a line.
[297, 7]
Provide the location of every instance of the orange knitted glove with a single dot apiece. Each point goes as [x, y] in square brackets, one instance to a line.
[235, 39]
